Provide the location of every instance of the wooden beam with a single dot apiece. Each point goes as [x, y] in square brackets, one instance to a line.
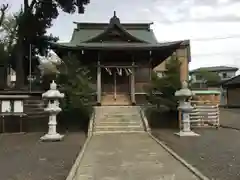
[133, 85]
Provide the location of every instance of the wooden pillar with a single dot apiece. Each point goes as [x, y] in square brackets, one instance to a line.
[133, 85]
[115, 85]
[99, 84]
[184, 57]
[150, 66]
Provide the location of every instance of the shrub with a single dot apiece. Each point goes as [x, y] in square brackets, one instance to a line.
[74, 81]
[162, 89]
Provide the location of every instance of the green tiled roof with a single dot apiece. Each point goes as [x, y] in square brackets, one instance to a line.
[121, 45]
[136, 35]
[81, 35]
[84, 35]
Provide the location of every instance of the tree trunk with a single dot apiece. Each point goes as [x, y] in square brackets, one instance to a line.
[3, 10]
[5, 73]
[19, 65]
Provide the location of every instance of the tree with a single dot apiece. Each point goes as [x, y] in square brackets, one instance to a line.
[3, 10]
[74, 81]
[163, 89]
[9, 31]
[8, 39]
[209, 78]
[35, 18]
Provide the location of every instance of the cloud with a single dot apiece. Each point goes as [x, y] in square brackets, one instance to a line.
[219, 13]
[198, 10]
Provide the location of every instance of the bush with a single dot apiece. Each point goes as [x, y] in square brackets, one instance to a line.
[161, 96]
[162, 90]
[162, 119]
[74, 81]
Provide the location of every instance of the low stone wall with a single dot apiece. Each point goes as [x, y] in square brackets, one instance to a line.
[36, 120]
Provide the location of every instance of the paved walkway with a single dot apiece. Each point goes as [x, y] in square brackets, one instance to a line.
[129, 157]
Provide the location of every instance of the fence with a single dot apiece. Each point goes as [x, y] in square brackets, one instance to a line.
[205, 114]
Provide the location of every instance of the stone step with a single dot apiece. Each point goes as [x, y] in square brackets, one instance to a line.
[117, 119]
[36, 112]
[28, 109]
[34, 105]
[37, 117]
[120, 114]
[120, 120]
[120, 132]
[33, 102]
[112, 123]
[118, 128]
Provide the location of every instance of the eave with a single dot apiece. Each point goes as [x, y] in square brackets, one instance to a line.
[118, 46]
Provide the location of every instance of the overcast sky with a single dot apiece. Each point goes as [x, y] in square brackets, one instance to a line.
[213, 26]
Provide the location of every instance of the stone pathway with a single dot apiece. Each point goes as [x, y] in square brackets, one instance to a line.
[129, 157]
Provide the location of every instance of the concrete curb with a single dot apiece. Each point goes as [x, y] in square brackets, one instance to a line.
[144, 119]
[91, 123]
[195, 171]
[229, 127]
[73, 171]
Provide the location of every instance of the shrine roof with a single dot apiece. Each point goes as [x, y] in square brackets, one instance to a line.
[121, 45]
[116, 36]
[87, 31]
[134, 32]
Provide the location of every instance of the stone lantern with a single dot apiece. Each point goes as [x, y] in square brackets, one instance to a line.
[186, 108]
[53, 96]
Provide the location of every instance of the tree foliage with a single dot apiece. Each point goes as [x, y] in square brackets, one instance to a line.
[34, 20]
[74, 80]
[163, 88]
[209, 78]
[8, 32]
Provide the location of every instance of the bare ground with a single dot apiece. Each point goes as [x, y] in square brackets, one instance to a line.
[24, 157]
[216, 153]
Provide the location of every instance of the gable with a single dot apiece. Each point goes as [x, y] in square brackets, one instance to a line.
[114, 31]
[113, 34]
[83, 35]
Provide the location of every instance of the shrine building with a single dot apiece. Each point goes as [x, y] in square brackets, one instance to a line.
[124, 56]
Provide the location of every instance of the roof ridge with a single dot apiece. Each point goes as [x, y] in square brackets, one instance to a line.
[115, 21]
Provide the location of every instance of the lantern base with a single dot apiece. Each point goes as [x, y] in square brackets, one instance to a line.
[52, 137]
[186, 133]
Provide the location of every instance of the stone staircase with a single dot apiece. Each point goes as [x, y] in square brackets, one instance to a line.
[117, 119]
[36, 119]
[121, 100]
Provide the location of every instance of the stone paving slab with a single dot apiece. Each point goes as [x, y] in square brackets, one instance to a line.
[129, 157]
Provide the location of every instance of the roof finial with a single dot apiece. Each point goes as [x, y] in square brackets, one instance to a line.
[114, 19]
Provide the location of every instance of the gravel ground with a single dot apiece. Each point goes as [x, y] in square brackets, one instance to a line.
[216, 153]
[24, 157]
[230, 118]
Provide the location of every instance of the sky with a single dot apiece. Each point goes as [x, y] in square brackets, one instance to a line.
[213, 26]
